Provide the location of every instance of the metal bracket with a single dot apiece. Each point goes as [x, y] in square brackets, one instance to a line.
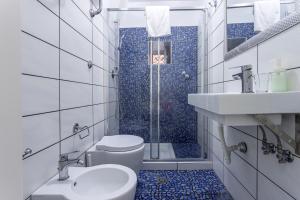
[242, 146]
[279, 132]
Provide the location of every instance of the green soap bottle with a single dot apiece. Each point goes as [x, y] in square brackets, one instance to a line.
[279, 78]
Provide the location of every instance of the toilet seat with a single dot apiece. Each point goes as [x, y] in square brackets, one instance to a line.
[120, 143]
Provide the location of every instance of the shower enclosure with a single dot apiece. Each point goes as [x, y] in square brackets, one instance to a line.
[155, 77]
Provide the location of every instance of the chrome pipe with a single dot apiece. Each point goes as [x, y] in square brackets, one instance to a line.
[93, 13]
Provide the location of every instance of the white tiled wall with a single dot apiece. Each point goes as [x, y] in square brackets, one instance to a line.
[252, 175]
[58, 88]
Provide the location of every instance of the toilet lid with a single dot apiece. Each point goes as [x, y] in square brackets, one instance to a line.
[119, 143]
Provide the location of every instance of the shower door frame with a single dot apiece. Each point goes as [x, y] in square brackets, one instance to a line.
[204, 76]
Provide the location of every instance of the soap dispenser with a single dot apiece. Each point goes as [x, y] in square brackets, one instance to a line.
[279, 78]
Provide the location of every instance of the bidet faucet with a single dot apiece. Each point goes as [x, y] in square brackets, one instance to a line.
[246, 78]
[63, 164]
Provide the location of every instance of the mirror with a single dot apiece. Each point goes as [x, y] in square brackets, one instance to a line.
[162, 57]
[246, 18]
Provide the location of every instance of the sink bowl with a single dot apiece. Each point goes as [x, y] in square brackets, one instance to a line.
[114, 182]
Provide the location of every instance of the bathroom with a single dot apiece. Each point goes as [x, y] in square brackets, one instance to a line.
[150, 99]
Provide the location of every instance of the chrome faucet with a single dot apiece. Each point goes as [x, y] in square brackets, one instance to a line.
[246, 78]
[63, 164]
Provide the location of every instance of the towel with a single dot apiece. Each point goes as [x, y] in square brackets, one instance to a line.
[266, 13]
[158, 21]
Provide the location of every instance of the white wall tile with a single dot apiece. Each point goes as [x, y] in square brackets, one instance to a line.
[233, 86]
[84, 6]
[39, 168]
[39, 95]
[106, 75]
[247, 58]
[83, 116]
[81, 48]
[217, 148]
[233, 137]
[235, 188]
[98, 95]
[293, 77]
[284, 46]
[98, 132]
[74, 143]
[216, 74]
[244, 173]
[75, 94]
[98, 76]
[98, 112]
[217, 18]
[47, 61]
[98, 39]
[34, 16]
[216, 55]
[217, 36]
[98, 57]
[74, 69]
[218, 167]
[40, 131]
[99, 22]
[283, 175]
[53, 5]
[216, 88]
[269, 191]
[73, 16]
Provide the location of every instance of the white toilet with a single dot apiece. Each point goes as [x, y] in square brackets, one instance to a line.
[127, 150]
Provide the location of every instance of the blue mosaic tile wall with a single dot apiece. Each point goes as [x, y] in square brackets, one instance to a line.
[178, 120]
[238, 30]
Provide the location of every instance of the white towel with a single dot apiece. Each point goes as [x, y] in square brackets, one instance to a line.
[158, 20]
[266, 13]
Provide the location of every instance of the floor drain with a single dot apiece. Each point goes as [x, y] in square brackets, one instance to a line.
[162, 180]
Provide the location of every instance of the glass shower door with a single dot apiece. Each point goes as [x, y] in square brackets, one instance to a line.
[154, 100]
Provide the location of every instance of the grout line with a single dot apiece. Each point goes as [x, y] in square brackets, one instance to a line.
[215, 47]
[49, 8]
[66, 80]
[64, 109]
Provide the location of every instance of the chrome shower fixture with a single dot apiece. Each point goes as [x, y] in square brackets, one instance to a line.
[114, 72]
[213, 3]
[93, 13]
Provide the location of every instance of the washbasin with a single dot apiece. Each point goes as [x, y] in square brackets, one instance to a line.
[235, 109]
[102, 182]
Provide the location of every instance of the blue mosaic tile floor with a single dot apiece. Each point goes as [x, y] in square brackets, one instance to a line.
[187, 150]
[173, 185]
